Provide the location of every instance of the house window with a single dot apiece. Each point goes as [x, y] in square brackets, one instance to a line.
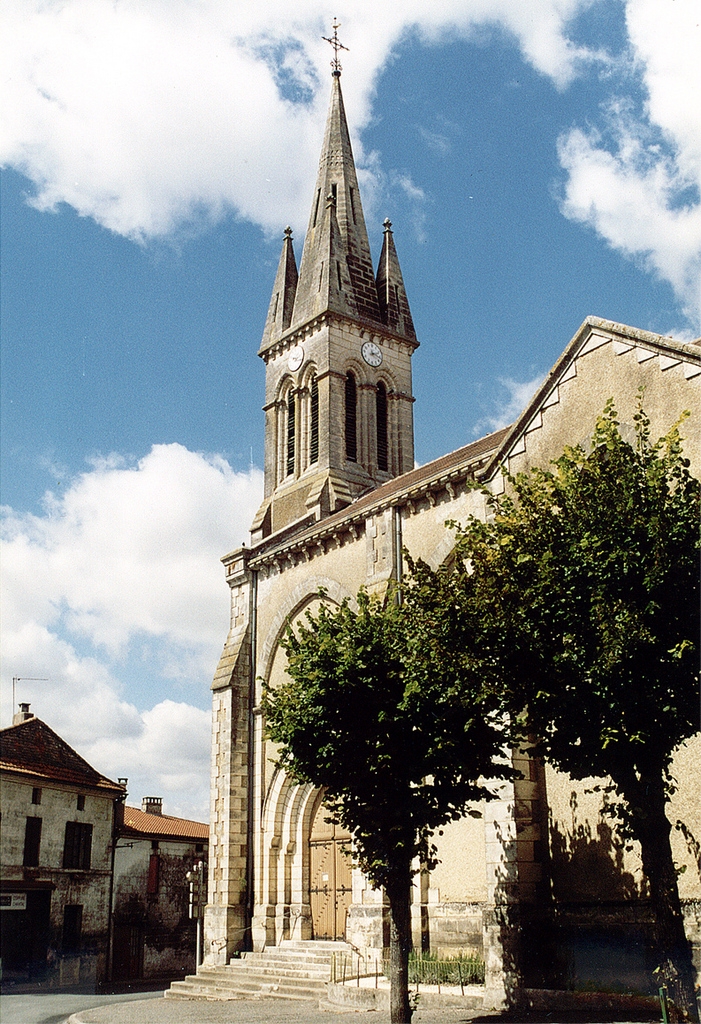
[381, 409]
[81, 802]
[291, 433]
[351, 419]
[72, 927]
[77, 845]
[314, 421]
[32, 842]
[36, 795]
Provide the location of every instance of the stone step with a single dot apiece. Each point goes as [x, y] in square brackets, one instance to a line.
[185, 990]
[293, 970]
[292, 953]
[197, 986]
[312, 944]
[294, 963]
[280, 970]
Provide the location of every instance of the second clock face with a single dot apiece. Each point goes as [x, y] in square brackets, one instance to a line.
[295, 358]
[371, 353]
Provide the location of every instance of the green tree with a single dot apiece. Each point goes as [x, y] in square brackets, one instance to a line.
[395, 732]
[587, 578]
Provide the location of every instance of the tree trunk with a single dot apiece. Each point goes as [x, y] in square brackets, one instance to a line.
[398, 891]
[652, 828]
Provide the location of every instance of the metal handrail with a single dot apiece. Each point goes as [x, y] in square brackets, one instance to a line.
[349, 967]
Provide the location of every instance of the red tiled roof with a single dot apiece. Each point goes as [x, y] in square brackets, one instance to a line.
[142, 823]
[33, 749]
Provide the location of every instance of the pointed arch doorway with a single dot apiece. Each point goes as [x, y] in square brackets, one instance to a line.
[330, 888]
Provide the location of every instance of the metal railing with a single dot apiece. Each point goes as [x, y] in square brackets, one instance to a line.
[349, 968]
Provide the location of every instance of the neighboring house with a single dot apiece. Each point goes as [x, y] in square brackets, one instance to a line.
[153, 935]
[342, 498]
[58, 817]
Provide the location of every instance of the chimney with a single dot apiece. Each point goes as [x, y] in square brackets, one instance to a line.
[152, 805]
[23, 715]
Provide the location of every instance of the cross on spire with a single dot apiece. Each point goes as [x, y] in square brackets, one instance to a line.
[337, 45]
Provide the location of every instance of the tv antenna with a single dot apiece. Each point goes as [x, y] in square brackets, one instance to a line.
[24, 679]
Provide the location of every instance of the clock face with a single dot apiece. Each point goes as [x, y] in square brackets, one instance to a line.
[295, 358]
[371, 353]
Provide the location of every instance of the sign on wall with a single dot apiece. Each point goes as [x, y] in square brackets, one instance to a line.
[13, 901]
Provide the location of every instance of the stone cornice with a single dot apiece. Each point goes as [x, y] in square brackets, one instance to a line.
[348, 525]
[366, 328]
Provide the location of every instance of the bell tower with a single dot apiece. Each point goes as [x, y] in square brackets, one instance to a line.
[337, 348]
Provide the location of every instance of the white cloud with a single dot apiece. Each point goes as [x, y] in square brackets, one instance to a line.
[514, 398]
[128, 554]
[147, 116]
[144, 115]
[639, 187]
[133, 550]
[170, 753]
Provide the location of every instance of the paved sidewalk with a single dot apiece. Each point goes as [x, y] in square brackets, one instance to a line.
[245, 1011]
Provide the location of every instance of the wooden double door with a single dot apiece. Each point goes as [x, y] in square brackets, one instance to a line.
[330, 889]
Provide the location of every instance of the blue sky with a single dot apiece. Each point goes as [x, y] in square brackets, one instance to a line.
[540, 162]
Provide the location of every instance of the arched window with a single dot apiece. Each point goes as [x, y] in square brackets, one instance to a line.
[291, 433]
[313, 420]
[381, 418]
[351, 419]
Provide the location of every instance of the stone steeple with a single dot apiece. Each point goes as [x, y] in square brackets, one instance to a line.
[394, 305]
[325, 283]
[283, 297]
[337, 178]
[337, 345]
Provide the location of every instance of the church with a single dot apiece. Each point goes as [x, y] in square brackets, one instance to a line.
[343, 498]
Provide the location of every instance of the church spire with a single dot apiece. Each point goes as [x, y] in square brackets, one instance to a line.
[337, 347]
[337, 177]
[394, 305]
[283, 297]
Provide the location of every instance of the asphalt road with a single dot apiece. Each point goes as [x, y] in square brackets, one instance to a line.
[149, 1008]
[56, 1007]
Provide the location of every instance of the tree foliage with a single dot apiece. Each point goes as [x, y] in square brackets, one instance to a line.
[587, 578]
[398, 741]
[365, 713]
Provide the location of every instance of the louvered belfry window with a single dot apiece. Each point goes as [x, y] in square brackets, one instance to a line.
[381, 408]
[351, 419]
[314, 421]
[291, 433]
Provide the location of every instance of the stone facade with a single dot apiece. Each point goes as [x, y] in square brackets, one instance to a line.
[58, 816]
[496, 870]
[153, 935]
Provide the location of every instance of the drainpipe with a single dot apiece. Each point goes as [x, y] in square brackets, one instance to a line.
[398, 544]
[117, 819]
[250, 780]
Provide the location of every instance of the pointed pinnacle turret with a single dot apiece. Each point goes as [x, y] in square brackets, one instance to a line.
[394, 305]
[331, 288]
[284, 290]
[337, 177]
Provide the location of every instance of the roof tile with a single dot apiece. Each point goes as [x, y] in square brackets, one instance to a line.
[142, 823]
[33, 748]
